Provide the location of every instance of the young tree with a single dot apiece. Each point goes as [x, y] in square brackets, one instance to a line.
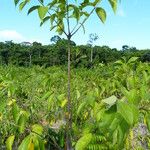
[62, 14]
[92, 38]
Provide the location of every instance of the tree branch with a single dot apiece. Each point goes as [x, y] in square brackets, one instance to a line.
[81, 24]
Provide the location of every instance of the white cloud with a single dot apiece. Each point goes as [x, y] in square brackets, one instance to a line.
[6, 35]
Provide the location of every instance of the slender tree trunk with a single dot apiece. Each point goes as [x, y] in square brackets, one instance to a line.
[69, 108]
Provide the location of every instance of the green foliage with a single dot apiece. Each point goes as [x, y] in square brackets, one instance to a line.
[59, 12]
[9, 142]
[109, 104]
[83, 142]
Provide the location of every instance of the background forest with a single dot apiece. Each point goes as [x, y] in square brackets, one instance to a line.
[27, 54]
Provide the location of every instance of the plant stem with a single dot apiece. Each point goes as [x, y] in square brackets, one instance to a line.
[69, 108]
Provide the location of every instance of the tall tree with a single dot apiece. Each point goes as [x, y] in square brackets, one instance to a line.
[62, 14]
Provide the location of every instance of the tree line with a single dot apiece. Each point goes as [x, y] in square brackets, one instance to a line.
[26, 54]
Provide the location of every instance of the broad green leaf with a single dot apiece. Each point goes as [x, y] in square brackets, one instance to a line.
[96, 2]
[31, 146]
[101, 14]
[41, 144]
[36, 143]
[15, 112]
[113, 4]
[132, 96]
[132, 59]
[125, 111]
[22, 121]
[120, 136]
[37, 129]
[110, 100]
[107, 117]
[25, 143]
[135, 112]
[114, 124]
[83, 142]
[23, 4]
[42, 11]
[33, 8]
[9, 142]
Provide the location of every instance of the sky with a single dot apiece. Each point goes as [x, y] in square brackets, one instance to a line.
[129, 26]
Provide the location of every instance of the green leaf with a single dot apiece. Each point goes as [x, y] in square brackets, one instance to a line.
[22, 121]
[147, 121]
[51, 4]
[9, 142]
[16, 2]
[23, 4]
[135, 112]
[25, 143]
[132, 96]
[113, 4]
[41, 144]
[76, 12]
[101, 14]
[32, 9]
[45, 20]
[83, 142]
[81, 108]
[96, 2]
[52, 18]
[120, 136]
[60, 28]
[15, 112]
[132, 59]
[42, 11]
[114, 124]
[37, 129]
[110, 101]
[125, 111]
